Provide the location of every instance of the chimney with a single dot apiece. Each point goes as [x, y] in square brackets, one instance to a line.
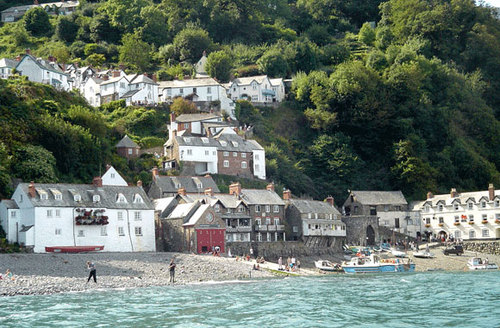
[208, 175]
[209, 192]
[270, 187]
[115, 73]
[28, 50]
[97, 182]
[181, 191]
[31, 189]
[153, 77]
[429, 195]
[105, 77]
[453, 193]
[155, 172]
[330, 200]
[491, 191]
[287, 194]
[35, 2]
[172, 117]
[51, 59]
[108, 167]
[235, 189]
[139, 183]
[204, 52]
[18, 58]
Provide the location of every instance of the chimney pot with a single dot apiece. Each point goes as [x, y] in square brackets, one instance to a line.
[453, 193]
[172, 117]
[429, 195]
[31, 189]
[28, 50]
[287, 194]
[97, 182]
[330, 200]
[209, 192]
[155, 172]
[270, 187]
[235, 189]
[139, 183]
[181, 191]
[491, 191]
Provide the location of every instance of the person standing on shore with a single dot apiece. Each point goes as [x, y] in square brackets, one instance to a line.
[251, 252]
[91, 267]
[280, 263]
[171, 268]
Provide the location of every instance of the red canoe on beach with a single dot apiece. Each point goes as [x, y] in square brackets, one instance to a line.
[73, 249]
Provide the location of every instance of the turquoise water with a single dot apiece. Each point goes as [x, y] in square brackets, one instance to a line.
[431, 299]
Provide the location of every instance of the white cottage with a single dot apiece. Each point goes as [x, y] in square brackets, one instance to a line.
[6, 67]
[44, 71]
[257, 89]
[106, 213]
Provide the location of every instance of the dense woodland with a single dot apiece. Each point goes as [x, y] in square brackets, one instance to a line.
[402, 94]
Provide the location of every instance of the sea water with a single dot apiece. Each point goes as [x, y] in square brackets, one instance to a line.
[430, 299]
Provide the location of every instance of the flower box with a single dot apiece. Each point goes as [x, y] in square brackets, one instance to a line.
[457, 223]
[471, 222]
[440, 224]
[427, 225]
[484, 221]
[497, 221]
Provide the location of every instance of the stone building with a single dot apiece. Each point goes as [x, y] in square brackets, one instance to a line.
[127, 148]
[166, 186]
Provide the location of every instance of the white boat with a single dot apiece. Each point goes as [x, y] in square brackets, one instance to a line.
[423, 254]
[326, 265]
[398, 253]
[476, 263]
[373, 264]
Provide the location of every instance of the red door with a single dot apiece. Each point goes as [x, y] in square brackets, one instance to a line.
[208, 239]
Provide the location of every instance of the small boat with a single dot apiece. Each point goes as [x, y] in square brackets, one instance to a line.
[423, 255]
[328, 266]
[373, 264]
[398, 253]
[476, 263]
[73, 249]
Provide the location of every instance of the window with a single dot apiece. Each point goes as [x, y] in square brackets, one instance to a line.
[181, 91]
[295, 229]
[373, 210]
[240, 208]
[226, 163]
[455, 206]
[457, 218]
[77, 198]
[217, 208]
[194, 90]
[470, 205]
[485, 217]
[497, 216]
[483, 204]
[138, 231]
[209, 90]
[169, 92]
[254, 86]
[49, 213]
[58, 213]
[441, 220]
[471, 217]
[235, 154]
[427, 208]
[457, 234]
[235, 144]
[243, 155]
[112, 175]
[472, 234]
[13, 214]
[104, 231]
[120, 216]
[255, 98]
[276, 221]
[207, 152]
[96, 198]
[257, 209]
[268, 220]
[396, 223]
[428, 221]
[276, 209]
[205, 140]
[486, 233]
[497, 203]
[243, 165]
[223, 143]
[258, 221]
[121, 198]
[121, 232]
[268, 208]
[257, 168]
[137, 216]
[57, 232]
[226, 154]
[214, 153]
[190, 152]
[256, 157]
[81, 233]
[122, 85]
[58, 196]
[440, 207]
[138, 199]
[209, 98]
[386, 208]
[186, 125]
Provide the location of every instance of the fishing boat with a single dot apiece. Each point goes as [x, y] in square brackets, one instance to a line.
[326, 265]
[374, 264]
[476, 263]
[73, 249]
[423, 255]
[397, 253]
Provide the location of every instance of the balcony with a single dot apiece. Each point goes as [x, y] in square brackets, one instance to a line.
[271, 228]
[91, 217]
[239, 229]
[260, 227]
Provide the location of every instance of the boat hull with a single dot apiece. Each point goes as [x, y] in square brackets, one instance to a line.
[383, 268]
[491, 266]
[73, 249]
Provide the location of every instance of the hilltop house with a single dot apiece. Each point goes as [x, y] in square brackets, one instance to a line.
[257, 89]
[127, 148]
[44, 71]
[224, 153]
[52, 8]
[316, 223]
[206, 93]
[200, 65]
[107, 212]
[468, 215]
[6, 67]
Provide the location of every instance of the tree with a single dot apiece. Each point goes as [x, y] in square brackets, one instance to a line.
[190, 43]
[273, 63]
[36, 22]
[135, 52]
[95, 60]
[155, 29]
[34, 163]
[66, 29]
[219, 66]
[181, 106]
[367, 34]
[102, 30]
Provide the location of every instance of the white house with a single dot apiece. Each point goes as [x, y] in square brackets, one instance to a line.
[6, 67]
[204, 90]
[53, 8]
[258, 89]
[91, 90]
[142, 90]
[201, 124]
[468, 215]
[43, 71]
[79, 75]
[113, 89]
[106, 213]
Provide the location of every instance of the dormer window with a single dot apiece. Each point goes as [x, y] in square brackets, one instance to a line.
[455, 206]
[497, 203]
[223, 143]
[121, 199]
[427, 208]
[235, 144]
[470, 205]
[58, 196]
[483, 204]
[205, 140]
[217, 208]
[199, 186]
[440, 207]
[77, 198]
[96, 198]
[138, 199]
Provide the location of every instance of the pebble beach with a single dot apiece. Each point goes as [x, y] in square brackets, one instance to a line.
[39, 274]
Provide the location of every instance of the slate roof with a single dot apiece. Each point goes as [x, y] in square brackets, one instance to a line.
[141, 78]
[379, 197]
[130, 93]
[126, 142]
[43, 65]
[184, 118]
[247, 80]
[229, 201]
[260, 197]
[161, 204]
[462, 198]
[182, 210]
[108, 196]
[10, 203]
[170, 183]
[314, 206]
[6, 62]
[189, 83]
[113, 80]
[197, 215]
[276, 82]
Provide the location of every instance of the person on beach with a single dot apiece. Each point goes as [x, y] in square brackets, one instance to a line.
[280, 263]
[92, 273]
[251, 252]
[171, 268]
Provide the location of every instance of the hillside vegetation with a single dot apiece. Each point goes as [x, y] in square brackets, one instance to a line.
[409, 101]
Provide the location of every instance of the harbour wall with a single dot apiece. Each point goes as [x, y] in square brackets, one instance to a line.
[487, 247]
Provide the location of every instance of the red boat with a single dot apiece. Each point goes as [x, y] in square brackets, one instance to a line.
[73, 249]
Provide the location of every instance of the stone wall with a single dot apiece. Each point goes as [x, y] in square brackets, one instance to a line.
[356, 227]
[487, 247]
[273, 250]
